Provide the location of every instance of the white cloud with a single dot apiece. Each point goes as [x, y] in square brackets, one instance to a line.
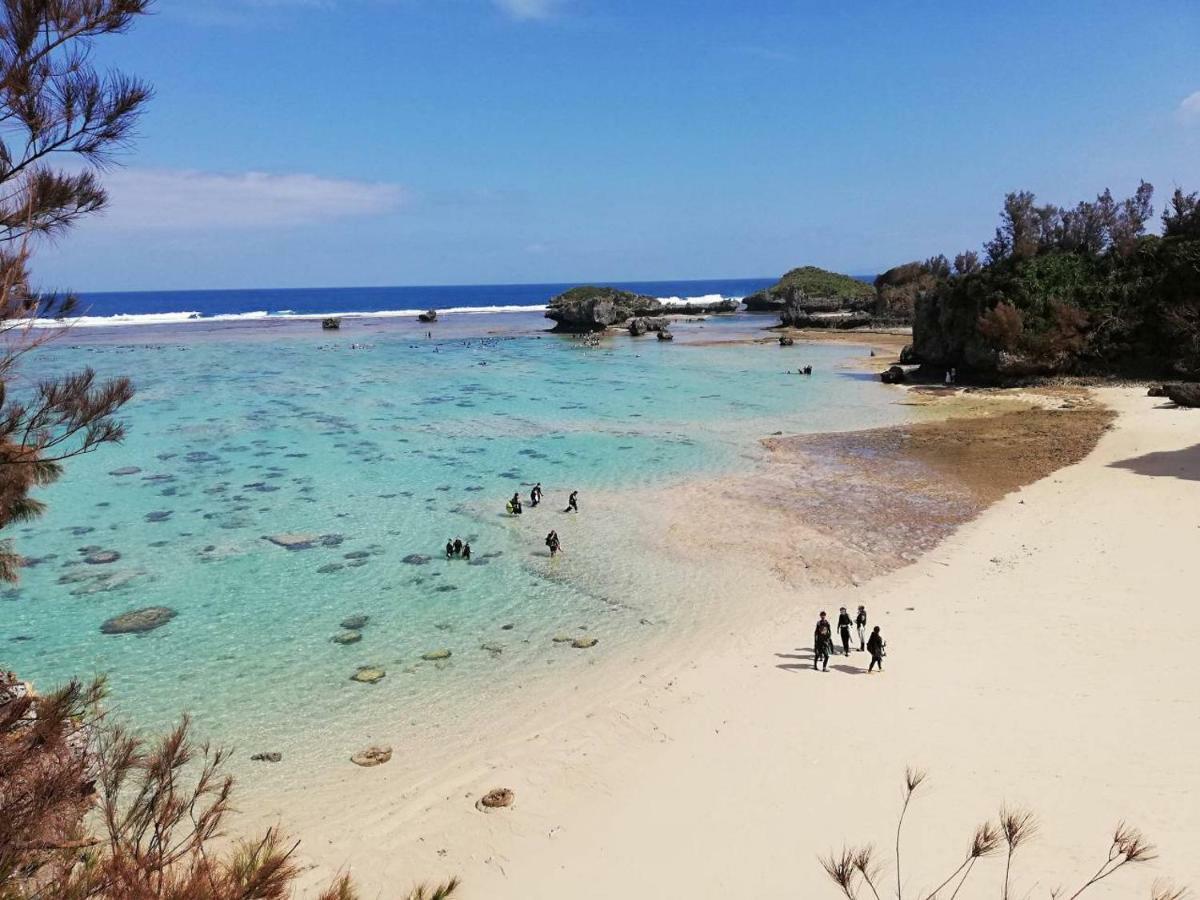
[1189, 109]
[171, 199]
[529, 9]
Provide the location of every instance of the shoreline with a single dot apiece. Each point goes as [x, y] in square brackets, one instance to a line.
[550, 754]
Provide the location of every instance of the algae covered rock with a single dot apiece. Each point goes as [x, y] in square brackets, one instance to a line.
[584, 643]
[435, 655]
[356, 622]
[498, 798]
[368, 675]
[139, 621]
[372, 756]
[348, 637]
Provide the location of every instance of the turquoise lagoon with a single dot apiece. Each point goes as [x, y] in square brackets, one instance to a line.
[386, 451]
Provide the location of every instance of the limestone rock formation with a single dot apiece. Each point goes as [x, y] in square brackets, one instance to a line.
[592, 308]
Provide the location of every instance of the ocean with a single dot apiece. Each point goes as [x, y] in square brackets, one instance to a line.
[166, 307]
[380, 443]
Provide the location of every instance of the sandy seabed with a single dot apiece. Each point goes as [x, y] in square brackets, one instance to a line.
[1039, 655]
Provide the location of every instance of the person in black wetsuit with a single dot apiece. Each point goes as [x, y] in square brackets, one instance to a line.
[515, 503]
[822, 642]
[449, 548]
[458, 545]
[535, 496]
[553, 543]
[875, 645]
[844, 624]
[861, 621]
[573, 502]
[466, 550]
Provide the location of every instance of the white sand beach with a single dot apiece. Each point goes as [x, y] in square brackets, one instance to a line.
[1040, 656]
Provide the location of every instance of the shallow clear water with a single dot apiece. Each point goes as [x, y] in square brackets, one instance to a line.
[387, 451]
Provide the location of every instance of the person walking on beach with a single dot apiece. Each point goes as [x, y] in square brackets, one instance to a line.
[822, 642]
[573, 502]
[875, 645]
[861, 621]
[844, 630]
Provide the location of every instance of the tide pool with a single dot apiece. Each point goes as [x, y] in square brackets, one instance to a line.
[380, 454]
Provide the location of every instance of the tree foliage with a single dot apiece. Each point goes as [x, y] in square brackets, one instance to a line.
[90, 810]
[61, 121]
[1072, 290]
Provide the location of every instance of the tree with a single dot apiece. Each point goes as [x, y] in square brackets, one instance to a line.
[156, 806]
[1181, 218]
[60, 123]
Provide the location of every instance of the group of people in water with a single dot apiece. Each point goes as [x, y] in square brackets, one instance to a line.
[457, 549]
[514, 508]
[823, 648]
[803, 370]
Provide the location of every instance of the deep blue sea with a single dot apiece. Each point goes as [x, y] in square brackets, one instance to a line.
[150, 307]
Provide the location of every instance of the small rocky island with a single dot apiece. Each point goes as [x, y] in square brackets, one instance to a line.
[591, 308]
[809, 297]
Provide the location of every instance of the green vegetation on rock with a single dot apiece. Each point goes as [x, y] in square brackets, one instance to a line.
[808, 285]
[1080, 290]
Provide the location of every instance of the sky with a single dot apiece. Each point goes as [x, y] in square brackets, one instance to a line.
[302, 143]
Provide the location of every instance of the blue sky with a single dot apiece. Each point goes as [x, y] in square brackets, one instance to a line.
[367, 142]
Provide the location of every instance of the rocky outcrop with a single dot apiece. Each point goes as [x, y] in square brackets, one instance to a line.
[372, 756]
[665, 335]
[139, 620]
[271, 757]
[595, 308]
[368, 675]
[1184, 394]
[894, 375]
[704, 308]
[817, 290]
[821, 312]
[498, 798]
[430, 315]
[643, 325]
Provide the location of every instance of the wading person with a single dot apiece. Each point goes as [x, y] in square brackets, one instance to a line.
[466, 550]
[875, 645]
[552, 543]
[449, 548]
[844, 630]
[573, 502]
[822, 642]
[535, 496]
[861, 621]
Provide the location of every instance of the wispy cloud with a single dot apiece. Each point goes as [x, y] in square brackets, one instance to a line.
[1189, 109]
[187, 200]
[529, 9]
